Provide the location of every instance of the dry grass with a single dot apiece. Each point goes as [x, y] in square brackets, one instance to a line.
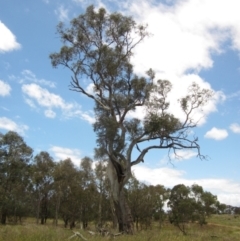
[220, 228]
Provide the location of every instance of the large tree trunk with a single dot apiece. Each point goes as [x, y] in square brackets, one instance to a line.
[122, 210]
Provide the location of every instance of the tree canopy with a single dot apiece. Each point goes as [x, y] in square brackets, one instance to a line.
[38, 186]
[98, 47]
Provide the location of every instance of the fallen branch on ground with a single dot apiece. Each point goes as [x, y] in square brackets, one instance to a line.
[77, 234]
[91, 232]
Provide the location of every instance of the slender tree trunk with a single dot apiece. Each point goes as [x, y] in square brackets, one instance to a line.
[57, 209]
[38, 210]
[100, 207]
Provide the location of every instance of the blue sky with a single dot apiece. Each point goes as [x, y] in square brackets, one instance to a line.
[191, 40]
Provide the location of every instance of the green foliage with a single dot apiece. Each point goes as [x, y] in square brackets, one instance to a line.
[42, 183]
[30, 187]
[98, 47]
[15, 156]
[146, 203]
[190, 204]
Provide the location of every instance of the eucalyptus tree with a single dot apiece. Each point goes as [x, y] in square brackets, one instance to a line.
[103, 192]
[89, 196]
[137, 200]
[42, 181]
[209, 202]
[97, 49]
[160, 195]
[15, 156]
[67, 192]
[182, 206]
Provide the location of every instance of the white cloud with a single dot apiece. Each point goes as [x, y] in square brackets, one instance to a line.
[234, 95]
[62, 153]
[10, 125]
[97, 3]
[216, 134]
[183, 155]
[30, 103]
[166, 176]
[5, 88]
[90, 89]
[228, 192]
[50, 114]
[8, 40]
[235, 127]
[184, 37]
[62, 13]
[29, 76]
[36, 95]
[180, 89]
[87, 117]
[44, 97]
[187, 33]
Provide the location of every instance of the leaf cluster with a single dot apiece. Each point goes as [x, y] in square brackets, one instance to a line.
[97, 49]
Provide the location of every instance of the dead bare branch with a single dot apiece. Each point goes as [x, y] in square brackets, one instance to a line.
[77, 234]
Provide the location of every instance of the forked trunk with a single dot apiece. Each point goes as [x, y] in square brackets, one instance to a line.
[122, 210]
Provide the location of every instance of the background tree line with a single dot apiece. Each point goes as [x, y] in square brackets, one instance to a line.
[37, 186]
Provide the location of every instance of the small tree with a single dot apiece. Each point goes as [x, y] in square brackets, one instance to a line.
[97, 47]
[190, 204]
[42, 181]
[15, 156]
[182, 207]
[68, 192]
[102, 188]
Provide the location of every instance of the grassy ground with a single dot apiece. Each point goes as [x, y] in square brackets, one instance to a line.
[220, 228]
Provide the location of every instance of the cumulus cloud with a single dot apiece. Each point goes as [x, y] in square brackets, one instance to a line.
[5, 88]
[97, 3]
[184, 37]
[187, 33]
[178, 49]
[49, 113]
[179, 90]
[235, 127]
[36, 96]
[62, 13]
[227, 191]
[43, 97]
[8, 41]
[62, 153]
[29, 76]
[183, 155]
[10, 125]
[216, 134]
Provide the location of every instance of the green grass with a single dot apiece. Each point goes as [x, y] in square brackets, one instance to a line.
[227, 220]
[220, 228]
